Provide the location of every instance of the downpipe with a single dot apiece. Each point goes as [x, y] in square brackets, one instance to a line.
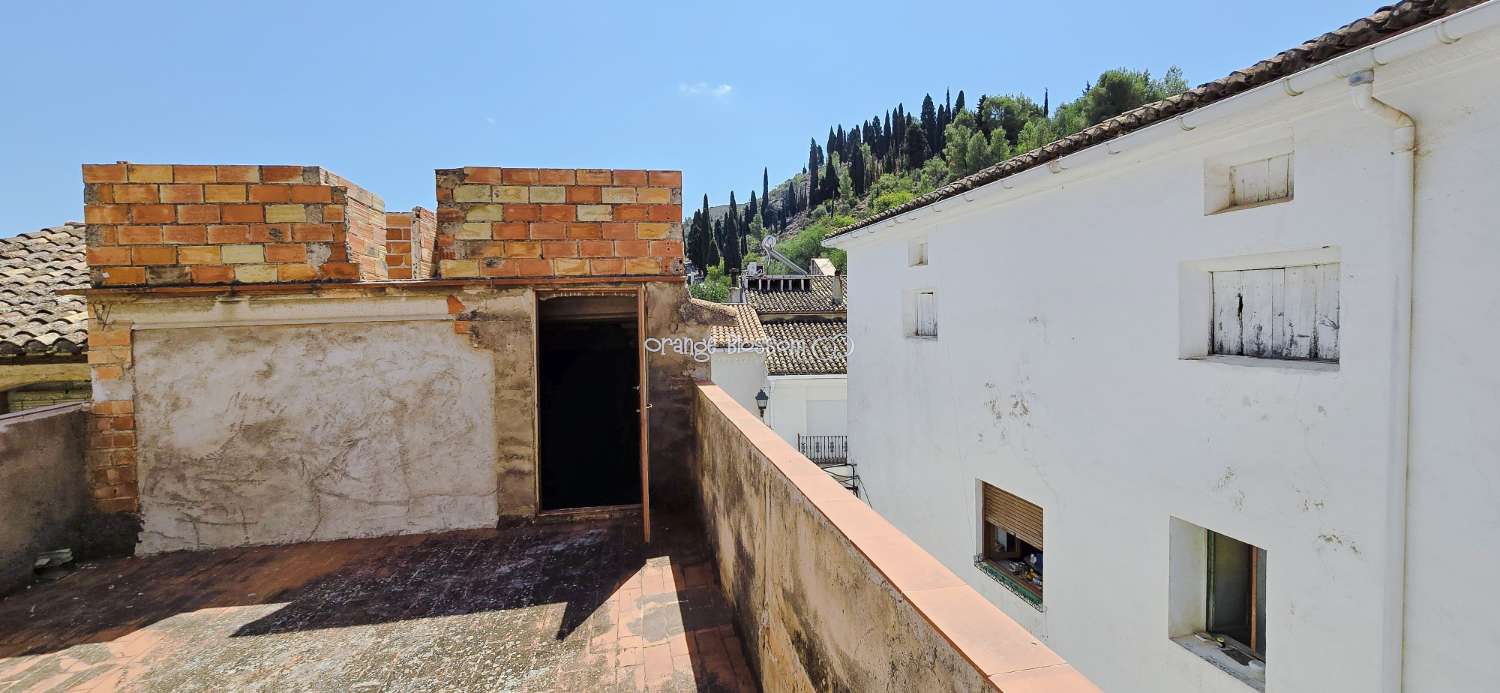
[1402, 240]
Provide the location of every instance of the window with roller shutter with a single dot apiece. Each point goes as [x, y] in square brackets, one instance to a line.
[1012, 552]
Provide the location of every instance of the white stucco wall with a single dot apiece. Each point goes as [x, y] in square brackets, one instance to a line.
[801, 405]
[287, 433]
[1057, 375]
[739, 373]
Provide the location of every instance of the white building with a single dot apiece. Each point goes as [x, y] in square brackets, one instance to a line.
[1232, 355]
[789, 347]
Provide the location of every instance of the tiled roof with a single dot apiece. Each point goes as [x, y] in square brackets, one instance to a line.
[1384, 23]
[34, 319]
[818, 298]
[807, 348]
[746, 330]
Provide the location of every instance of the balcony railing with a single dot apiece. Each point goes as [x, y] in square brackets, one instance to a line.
[831, 453]
[826, 451]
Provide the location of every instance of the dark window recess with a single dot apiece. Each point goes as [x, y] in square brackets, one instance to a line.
[1236, 616]
[1013, 543]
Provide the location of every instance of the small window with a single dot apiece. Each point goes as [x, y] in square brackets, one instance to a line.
[1260, 175]
[1012, 536]
[926, 325]
[1218, 601]
[1277, 313]
[1266, 180]
[1236, 618]
[916, 252]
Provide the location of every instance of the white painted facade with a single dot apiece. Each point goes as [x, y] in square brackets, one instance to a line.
[812, 405]
[796, 404]
[1069, 368]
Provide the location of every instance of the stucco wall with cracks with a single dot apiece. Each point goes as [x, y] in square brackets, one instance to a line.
[286, 433]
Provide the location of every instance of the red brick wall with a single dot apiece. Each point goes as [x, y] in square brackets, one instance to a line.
[408, 243]
[166, 224]
[527, 222]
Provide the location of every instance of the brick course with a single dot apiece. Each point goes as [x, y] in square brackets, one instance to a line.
[409, 238]
[172, 224]
[527, 222]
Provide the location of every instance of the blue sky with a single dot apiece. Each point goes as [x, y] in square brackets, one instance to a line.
[383, 94]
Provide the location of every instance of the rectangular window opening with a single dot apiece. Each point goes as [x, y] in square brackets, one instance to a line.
[916, 252]
[1217, 602]
[1012, 543]
[1236, 615]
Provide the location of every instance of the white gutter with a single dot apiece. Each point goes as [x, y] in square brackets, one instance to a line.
[1443, 31]
[1402, 241]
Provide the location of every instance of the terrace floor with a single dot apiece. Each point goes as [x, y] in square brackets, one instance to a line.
[570, 607]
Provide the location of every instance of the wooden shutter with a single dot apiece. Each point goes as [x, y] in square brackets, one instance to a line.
[1014, 515]
[926, 314]
[1279, 313]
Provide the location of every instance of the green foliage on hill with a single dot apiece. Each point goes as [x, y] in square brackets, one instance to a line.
[890, 159]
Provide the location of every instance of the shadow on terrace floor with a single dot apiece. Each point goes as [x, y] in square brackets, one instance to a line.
[581, 606]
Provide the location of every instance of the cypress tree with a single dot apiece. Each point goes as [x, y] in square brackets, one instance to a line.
[830, 181]
[916, 149]
[765, 186]
[812, 174]
[857, 171]
[929, 122]
[958, 104]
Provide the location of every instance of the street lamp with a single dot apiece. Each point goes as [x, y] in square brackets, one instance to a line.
[761, 400]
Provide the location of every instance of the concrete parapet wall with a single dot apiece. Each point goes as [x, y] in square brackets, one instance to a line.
[828, 595]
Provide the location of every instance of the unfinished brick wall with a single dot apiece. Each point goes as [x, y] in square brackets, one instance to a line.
[110, 457]
[409, 238]
[527, 222]
[173, 224]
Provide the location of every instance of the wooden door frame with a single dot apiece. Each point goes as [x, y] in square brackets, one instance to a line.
[645, 409]
[643, 391]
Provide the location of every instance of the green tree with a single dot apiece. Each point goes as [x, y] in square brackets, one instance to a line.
[813, 164]
[916, 149]
[1116, 92]
[1008, 113]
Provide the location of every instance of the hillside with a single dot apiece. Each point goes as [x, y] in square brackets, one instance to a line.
[891, 158]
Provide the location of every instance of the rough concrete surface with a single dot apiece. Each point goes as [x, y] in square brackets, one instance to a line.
[582, 607]
[278, 434]
[670, 314]
[503, 330]
[43, 492]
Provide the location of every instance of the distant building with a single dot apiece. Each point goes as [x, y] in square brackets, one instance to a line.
[789, 346]
[43, 333]
[1231, 355]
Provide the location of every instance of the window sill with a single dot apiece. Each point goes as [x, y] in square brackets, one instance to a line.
[923, 337]
[1277, 364]
[1252, 674]
[1010, 583]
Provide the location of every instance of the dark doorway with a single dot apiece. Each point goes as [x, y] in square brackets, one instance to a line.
[589, 423]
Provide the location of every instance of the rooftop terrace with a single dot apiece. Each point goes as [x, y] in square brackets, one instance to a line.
[582, 606]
